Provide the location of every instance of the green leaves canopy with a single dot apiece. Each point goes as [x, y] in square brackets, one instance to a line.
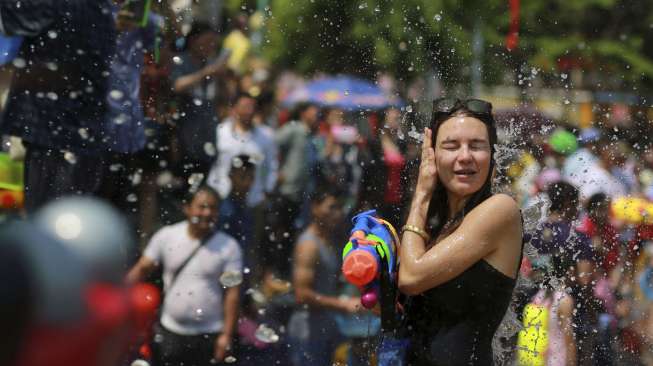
[411, 36]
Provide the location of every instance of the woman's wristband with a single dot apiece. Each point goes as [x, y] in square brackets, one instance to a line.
[414, 229]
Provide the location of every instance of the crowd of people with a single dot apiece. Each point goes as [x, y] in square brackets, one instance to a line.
[185, 131]
[591, 252]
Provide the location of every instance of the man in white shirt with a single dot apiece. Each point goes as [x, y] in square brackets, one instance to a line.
[238, 135]
[198, 317]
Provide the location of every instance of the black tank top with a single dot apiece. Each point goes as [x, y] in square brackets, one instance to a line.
[453, 324]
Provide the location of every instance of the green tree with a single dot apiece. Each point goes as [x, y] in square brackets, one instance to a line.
[411, 36]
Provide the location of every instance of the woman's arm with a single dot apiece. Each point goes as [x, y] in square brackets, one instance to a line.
[565, 313]
[303, 277]
[493, 222]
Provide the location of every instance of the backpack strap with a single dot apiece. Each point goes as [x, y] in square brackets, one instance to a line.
[175, 275]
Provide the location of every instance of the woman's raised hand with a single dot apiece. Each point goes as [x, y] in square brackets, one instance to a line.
[428, 172]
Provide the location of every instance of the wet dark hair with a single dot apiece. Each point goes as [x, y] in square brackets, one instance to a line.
[562, 194]
[241, 94]
[596, 200]
[191, 193]
[198, 29]
[324, 191]
[299, 109]
[438, 207]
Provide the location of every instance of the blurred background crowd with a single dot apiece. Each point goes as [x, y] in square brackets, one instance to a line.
[185, 101]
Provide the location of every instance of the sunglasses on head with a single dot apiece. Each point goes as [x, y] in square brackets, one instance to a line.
[451, 105]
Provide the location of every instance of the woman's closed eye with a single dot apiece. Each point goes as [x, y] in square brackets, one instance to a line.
[450, 145]
[476, 146]
[480, 146]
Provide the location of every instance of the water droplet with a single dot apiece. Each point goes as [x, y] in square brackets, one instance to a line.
[199, 313]
[52, 34]
[116, 94]
[137, 177]
[231, 278]
[346, 92]
[409, 108]
[362, 6]
[437, 17]
[52, 66]
[195, 179]
[83, 132]
[70, 157]
[52, 96]
[140, 362]
[132, 197]
[229, 359]
[377, 9]
[19, 62]
[256, 295]
[209, 149]
[115, 167]
[413, 133]
[246, 270]
[567, 101]
[198, 102]
[266, 334]
[120, 119]
[158, 338]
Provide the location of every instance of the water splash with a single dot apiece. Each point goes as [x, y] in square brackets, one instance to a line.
[266, 334]
[231, 278]
[70, 157]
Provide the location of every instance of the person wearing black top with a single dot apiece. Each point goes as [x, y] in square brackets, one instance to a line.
[461, 246]
[58, 98]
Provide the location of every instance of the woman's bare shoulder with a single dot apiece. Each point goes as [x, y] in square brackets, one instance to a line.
[503, 206]
[503, 200]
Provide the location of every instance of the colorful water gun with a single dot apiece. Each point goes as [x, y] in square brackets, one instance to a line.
[11, 183]
[372, 248]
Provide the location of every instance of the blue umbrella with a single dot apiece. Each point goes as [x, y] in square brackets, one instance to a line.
[9, 47]
[346, 92]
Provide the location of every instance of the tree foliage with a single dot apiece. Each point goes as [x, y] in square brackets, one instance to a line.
[411, 36]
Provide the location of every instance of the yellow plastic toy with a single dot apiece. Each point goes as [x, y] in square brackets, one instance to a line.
[633, 210]
[533, 339]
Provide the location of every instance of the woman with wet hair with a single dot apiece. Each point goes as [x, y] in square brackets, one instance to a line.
[462, 245]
